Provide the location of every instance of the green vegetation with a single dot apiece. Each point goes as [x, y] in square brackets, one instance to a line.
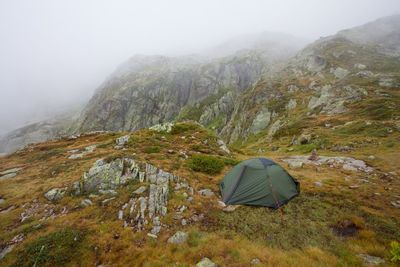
[182, 127]
[55, 249]
[395, 251]
[194, 238]
[230, 161]
[152, 149]
[362, 128]
[206, 164]
[379, 108]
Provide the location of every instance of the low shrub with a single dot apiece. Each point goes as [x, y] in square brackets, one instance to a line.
[395, 251]
[183, 127]
[206, 164]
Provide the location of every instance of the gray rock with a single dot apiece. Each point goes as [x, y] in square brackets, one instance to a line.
[371, 260]
[206, 262]
[2, 201]
[340, 73]
[349, 167]
[152, 235]
[315, 63]
[386, 82]
[352, 163]
[206, 192]
[158, 196]
[178, 238]
[291, 104]
[108, 192]
[106, 201]
[261, 121]
[7, 176]
[156, 225]
[13, 170]
[55, 193]
[223, 146]
[6, 250]
[295, 164]
[90, 149]
[396, 204]
[319, 184]
[120, 215]
[276, 126]
[76, 156]
[162, 128]
[371, 157]
[140, 190]
[86, 202]
[304, 139]
[292, 88]
[121, 141]
[360, 66]
[255, 261]
[106, 176]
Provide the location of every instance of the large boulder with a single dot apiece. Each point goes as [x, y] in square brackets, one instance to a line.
[261, 121]
[108, 175]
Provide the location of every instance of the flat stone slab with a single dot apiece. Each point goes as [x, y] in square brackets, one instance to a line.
[7, 176]
[347, 163]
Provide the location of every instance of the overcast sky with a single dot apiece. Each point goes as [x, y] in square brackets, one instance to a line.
[54, 53]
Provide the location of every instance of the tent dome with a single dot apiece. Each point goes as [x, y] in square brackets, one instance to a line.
[258, 182]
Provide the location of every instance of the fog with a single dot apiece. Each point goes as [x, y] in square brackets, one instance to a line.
[53, 53]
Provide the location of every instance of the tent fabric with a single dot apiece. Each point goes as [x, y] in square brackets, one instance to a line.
[258, 182]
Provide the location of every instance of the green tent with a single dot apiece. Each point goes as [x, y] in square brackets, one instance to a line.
[258, 182]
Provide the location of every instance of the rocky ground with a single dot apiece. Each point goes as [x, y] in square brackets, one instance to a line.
[137, 199]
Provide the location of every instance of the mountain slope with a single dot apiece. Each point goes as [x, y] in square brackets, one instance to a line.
[257, 91]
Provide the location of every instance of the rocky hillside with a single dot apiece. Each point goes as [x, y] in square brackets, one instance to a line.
[151, 198]
[262, 92]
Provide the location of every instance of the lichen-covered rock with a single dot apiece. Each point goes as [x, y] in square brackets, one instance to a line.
[178, 238]
[158, 197]
[291, 104]
[162, 127]
[121, 141]
[206, 262]
[261, 121]
[55, 193]
[105, 176]
[140, 190]
[276, 126]
[340, 73]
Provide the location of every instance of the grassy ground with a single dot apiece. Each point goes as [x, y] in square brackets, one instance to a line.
[298, 234]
